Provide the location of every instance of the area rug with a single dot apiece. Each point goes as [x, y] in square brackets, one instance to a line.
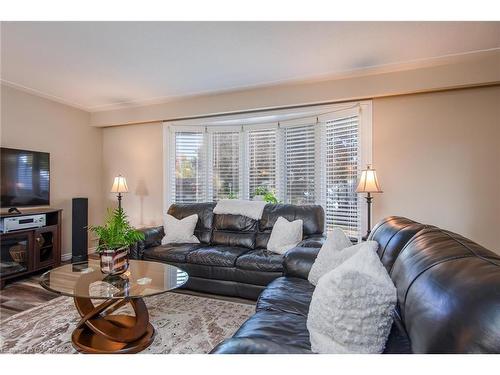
[183, 324]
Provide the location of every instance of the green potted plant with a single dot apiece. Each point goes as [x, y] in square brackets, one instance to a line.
[115, 238]
[262, 193]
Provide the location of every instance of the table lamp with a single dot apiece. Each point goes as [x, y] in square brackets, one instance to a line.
[119, 186]
[368, 183]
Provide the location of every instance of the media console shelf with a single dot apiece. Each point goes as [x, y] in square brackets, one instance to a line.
[27, 251]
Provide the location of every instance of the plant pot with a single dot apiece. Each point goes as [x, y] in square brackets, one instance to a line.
[114, 262]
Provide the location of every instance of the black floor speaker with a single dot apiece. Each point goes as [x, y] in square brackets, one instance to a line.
[79, 239]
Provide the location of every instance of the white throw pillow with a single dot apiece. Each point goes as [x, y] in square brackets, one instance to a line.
[331, 254]
[251, 209]
[351, 308]
[285, 235]
[179, 231]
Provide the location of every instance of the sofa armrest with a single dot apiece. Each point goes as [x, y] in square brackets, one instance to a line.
[152, 237]
[255, 345]
[315, 240]
[299, 260]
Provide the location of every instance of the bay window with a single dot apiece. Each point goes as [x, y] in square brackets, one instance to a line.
[308, 156]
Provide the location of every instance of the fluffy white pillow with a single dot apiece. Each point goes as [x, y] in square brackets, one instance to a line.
[179, 231]
[351, 308]
[331, 254]
[285, 235]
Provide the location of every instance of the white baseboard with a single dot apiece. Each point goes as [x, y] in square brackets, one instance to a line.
[66, 257]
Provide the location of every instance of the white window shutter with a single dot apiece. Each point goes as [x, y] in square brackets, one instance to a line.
[225, 165]
[342, 163]
[261, 159]
[300, 166]
[189, 183]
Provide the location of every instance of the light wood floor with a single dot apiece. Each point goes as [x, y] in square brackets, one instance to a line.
[24, 294]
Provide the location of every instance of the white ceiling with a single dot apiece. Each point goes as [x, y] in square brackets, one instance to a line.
[98, 65]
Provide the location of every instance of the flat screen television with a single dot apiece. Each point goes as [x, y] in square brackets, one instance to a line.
[25, 178]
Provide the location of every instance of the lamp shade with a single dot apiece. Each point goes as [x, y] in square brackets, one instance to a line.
[119, 185]
[368, 182]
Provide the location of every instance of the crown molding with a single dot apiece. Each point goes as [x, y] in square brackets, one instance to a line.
[355, 73]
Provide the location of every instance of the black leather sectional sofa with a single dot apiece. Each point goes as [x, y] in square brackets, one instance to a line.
[448, 287]
[231, 258]
[448, 290]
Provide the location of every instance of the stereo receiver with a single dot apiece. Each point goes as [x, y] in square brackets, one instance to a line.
[9, 224]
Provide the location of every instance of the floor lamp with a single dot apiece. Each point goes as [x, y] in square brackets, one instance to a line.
[119, 186]
[368, 183]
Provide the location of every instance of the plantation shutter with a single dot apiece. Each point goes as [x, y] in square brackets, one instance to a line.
[299, 164]
[190, 183]
[342, 167]
[261, 160]
[225, 166]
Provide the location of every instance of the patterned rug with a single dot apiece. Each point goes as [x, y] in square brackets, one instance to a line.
[183, 324]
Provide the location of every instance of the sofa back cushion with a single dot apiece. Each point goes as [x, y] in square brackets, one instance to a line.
[234, 230]
[237, 230]
[313, 217]
[448, 293]
[203, 230]
[392, 234]
[448, 289]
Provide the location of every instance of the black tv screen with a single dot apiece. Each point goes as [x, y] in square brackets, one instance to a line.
[25, 178]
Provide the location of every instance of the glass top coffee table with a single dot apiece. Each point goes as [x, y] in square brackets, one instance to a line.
[100, 331]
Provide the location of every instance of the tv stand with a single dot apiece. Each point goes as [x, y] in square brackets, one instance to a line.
[27, 251]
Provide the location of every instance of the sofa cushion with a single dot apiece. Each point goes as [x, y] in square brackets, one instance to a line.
[179, 230]
[392, 234]
[448, 293]
[260, 260]
[313, 217]
[248, 345]
[336, 250]
[352, 306]
[234, 230]
[170, 253]
[314, 240]
[276, 326]
[288, 295]
[203, 229]
[285, 235]
[223, 256]
[298, 261]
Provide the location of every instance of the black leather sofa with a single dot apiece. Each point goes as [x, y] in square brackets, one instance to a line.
[231, 258]
[448, 291]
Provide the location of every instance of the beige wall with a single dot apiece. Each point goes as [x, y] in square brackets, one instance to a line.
[438, 159]
[451, 72]
[135, 151]
[31, 122]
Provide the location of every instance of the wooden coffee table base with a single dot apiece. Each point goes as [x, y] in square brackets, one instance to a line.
[99, 332]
